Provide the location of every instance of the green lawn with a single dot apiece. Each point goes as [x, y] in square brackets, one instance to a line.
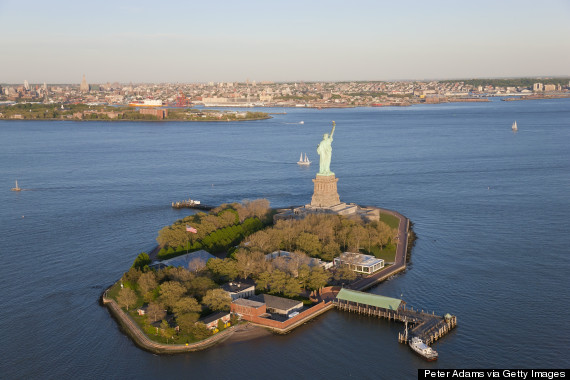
[388, 254]
[390, 220]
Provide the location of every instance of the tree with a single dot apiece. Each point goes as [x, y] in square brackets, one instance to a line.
[291, 287]
[127, 297]
[277, 281]
[263, 280]
[304, 274]
[186, 305]
[186, 322]
[167, 331]
[155, 311]
[200, 285]
[249, 263]
[132, 276]
[171, 292]
[217, 299]
[344, 273]
[196, 265]
[221, 325]
[223, 269]
[357, 234]
[141, 261]
[147, 282]
[200, 331]
[309, 243]
[330, 251]
[318, 278]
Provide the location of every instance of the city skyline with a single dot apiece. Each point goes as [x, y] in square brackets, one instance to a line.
[317, 41]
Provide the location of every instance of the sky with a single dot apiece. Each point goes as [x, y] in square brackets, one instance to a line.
[274, 40]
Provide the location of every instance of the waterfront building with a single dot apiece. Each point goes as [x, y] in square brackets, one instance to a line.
[211, 321]
[278, 305]
[248, 308]
[359, 262]
[538, 87]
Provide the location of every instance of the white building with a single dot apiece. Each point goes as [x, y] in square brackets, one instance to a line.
[359, 262]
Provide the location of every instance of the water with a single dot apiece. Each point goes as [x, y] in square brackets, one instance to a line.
[490, 208]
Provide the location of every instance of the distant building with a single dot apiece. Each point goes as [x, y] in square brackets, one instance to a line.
[549, 87]
[160, 113]
[537, 87]
[84, 87]
[359, 262]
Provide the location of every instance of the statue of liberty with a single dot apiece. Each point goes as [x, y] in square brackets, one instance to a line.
[324, 149]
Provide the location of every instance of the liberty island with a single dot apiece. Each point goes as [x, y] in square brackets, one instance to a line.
[255, 297]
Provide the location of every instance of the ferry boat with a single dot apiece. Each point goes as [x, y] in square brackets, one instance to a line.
[514, 127]
[146, 103]
[17, 188]
[304, 161]
[423, 349]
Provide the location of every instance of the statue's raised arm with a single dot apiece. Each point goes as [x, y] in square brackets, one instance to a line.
[334, 126]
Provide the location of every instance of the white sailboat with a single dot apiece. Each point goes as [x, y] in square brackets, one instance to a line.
[514, 127]
[17, 188]
[303, 161]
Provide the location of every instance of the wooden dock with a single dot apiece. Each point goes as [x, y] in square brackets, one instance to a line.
[428, 327]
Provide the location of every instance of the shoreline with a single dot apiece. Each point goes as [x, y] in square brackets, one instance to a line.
[142, 120]
[251, 330]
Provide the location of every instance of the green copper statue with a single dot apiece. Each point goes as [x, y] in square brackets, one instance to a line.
[324, 149]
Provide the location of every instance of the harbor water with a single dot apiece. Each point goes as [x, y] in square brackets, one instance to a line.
[490, 208]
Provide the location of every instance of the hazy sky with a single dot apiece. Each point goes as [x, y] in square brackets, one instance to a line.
[290, 40]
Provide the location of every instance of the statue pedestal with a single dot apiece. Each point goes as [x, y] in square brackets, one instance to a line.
[325, 193]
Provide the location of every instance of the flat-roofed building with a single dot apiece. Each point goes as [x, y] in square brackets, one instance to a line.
[359, 262]
[248, 308]
[239, 289]
[278, 305]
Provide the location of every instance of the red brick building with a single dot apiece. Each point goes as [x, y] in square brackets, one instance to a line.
[248, 308]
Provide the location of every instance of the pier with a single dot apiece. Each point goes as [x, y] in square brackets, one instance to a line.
[428, 327]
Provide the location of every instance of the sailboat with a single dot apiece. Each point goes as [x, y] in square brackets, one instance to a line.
[303, 161]
[514, 127]
[17, 188]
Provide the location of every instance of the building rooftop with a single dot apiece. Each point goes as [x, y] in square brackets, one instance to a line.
[184, 260]
[214, 317]
[275, 302]
[237, 286]
[369, 299]
[360, 259]
[248, 303]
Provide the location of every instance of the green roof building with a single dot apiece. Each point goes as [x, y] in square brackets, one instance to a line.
[369, 299]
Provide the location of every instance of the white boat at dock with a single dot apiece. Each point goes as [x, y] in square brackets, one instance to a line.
[304, 161]
[423, 349]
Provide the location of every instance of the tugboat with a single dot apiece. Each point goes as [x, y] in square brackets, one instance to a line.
[423, 349]
[17, 188]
